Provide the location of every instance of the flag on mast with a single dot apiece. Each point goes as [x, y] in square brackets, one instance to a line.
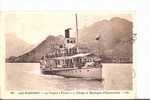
[98, 37]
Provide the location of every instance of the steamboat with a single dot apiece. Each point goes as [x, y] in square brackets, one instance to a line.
[70, 62]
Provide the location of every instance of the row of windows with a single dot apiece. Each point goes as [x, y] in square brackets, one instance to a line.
[71, 51]
[70, 41]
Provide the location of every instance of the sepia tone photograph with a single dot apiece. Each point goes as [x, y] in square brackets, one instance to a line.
[65, 51]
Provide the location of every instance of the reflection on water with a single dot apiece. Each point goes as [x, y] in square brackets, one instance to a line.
[27, 76]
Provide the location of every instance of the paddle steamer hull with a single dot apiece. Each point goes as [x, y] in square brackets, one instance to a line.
[89, 73]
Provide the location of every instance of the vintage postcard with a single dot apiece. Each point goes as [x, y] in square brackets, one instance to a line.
[68, 54]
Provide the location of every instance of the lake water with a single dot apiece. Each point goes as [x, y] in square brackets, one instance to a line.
[27, 76]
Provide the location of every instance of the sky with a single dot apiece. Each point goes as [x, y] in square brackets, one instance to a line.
[33, 27]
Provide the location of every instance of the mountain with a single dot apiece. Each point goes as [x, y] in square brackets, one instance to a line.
[50, 44]
[115, 37]
[15, 46]
[115, 40]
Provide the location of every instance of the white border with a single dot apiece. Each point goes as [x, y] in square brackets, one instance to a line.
[141, 7]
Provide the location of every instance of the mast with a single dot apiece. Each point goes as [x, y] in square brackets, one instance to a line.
[76, 29]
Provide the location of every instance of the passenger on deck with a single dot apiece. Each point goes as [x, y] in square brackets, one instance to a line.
[43, 62]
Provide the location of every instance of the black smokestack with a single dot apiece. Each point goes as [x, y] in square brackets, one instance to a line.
[67, 33]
